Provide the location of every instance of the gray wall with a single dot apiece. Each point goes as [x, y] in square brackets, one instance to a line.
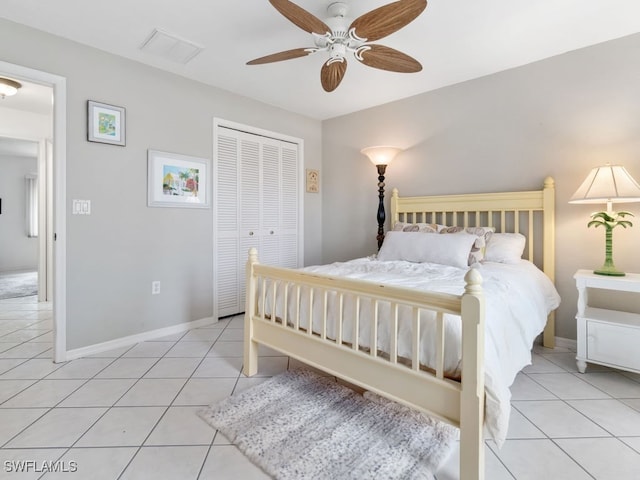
[114, 253]
[508, 131]
[17, 250]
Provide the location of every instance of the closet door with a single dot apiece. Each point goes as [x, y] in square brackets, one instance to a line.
[289, 206]
[227, 256]
[257, 189]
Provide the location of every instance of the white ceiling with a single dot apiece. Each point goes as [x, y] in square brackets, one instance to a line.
[455, 40]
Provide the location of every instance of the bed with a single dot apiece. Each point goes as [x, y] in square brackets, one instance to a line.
[365, 322]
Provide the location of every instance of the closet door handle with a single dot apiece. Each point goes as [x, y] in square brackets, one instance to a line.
[271, 232]
[250, 233]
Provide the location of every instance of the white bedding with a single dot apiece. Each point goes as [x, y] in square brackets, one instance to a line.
[518, 299]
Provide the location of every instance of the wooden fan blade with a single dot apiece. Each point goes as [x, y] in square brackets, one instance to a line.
[332, 73]
[278, 57]
[300, 17]
[386, 58]
[387, 19]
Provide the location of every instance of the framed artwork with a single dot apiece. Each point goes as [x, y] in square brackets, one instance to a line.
[105, 123]
[313, 180]
[177, 180]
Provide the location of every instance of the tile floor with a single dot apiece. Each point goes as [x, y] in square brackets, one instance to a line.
[130, 413]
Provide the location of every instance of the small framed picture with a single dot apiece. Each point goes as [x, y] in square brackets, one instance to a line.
[105, 123]
[313, 180]
[177, 180]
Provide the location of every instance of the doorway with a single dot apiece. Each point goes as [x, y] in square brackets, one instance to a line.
[20, 234]
[17, 122]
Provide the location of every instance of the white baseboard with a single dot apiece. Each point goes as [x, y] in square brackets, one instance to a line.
[133, 339]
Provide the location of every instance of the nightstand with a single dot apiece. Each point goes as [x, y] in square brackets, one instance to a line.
[607, 337]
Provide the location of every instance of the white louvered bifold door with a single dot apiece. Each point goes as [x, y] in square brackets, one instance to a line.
[257, 190]
[227, 255]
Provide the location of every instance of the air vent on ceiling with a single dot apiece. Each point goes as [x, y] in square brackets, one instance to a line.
[170, 47]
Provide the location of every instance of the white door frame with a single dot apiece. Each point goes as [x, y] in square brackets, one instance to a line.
[59, 85]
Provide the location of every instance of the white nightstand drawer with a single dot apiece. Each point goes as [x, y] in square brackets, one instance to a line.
[613, 344]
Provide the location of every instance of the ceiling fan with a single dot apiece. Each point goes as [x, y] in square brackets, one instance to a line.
[338, 37]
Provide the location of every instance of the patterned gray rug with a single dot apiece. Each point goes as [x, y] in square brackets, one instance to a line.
[300, 425]
[19, 284]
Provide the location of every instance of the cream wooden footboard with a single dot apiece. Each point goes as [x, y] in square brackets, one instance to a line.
[459, 403]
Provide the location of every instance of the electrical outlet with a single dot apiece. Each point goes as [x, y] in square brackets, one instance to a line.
[155, 287]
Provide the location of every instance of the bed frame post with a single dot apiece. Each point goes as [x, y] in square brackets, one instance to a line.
[472, 397]
[250, 346]
[549, 254]
[395, 217]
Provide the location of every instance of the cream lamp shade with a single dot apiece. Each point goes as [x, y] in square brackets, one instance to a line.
[607, 184]
[381, 155]
[8, 87]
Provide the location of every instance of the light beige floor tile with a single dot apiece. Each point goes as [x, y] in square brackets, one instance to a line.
[181, 426]
[227, 463]
[541, 365]
[219, 367]
[450, 467]
[17, 469]
[524, 388]
[539, 459]
[173, 368]
[152, 392]
[60, 427]
[612, 415]
[167, 463]
[204, 391]
[226, 349]
[94, 463]
[36, 368]
[613, 383]
[81, 368]
[99, 393]
[127, 368]
[190, 349]
[7, 364]
[202, 335]
[604, 458]
[45, 393]
[232, 334]
[567, 386]
[26, 350]
[557, 419]
[14, 420]
[122, 426]
[149, 349]
[9, 388]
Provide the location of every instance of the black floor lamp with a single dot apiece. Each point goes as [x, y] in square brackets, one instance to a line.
[381, 156]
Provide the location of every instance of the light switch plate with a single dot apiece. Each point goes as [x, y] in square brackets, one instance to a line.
[81, 207]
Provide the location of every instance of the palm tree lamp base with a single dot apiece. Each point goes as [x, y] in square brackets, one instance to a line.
[609, 220]
[612, 272]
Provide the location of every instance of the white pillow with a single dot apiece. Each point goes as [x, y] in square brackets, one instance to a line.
[505, 248]
[417, 247]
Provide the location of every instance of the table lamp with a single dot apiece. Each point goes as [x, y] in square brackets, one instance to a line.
[608, 184]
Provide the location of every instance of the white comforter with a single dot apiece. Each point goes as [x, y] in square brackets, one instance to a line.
[518, 299]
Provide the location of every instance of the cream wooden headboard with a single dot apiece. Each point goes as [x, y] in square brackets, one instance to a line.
[531, 213]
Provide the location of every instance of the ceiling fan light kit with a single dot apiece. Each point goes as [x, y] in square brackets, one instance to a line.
[338, 38]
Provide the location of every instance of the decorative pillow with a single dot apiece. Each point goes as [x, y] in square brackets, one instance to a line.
[417, 227]
[483, 234]
[415, 247]
[505, 248]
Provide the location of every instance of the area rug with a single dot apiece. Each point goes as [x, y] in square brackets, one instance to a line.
[301, 425]
[20, 284]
